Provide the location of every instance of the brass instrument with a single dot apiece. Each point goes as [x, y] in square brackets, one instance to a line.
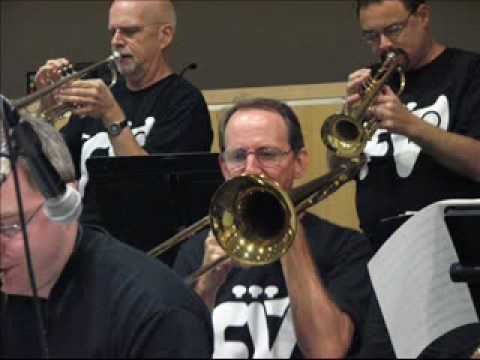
[33, 104]
[347, 134]
[255, 221]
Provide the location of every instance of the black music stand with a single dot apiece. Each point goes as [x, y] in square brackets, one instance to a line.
[144, 200]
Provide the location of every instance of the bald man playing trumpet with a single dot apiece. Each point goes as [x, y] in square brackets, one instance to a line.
[153, 110]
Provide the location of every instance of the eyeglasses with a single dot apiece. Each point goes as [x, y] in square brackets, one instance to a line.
[392, 31]
[266, 156]
[13, 229]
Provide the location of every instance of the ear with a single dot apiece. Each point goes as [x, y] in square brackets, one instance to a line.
[423, 13]
[165, 35]
[73, 184]
[302, 160]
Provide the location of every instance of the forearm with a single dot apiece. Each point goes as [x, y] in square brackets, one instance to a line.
[207, 292]
[456, 152]
[322, 329]
[126, 145]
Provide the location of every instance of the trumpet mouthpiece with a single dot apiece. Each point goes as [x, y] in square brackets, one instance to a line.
[115, 56]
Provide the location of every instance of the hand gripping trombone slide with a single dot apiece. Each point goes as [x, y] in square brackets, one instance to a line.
[255, 221]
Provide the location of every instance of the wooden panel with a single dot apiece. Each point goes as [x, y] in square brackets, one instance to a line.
[312, 104]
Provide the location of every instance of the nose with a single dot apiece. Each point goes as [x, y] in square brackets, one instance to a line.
[252, 166]
[385, 43]
[117, 39]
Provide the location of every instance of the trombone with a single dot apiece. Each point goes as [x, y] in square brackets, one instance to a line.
[347, 134]
[32, 104]
[255, 221]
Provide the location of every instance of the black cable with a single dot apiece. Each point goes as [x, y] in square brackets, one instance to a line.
[191, 66]
[13, 157]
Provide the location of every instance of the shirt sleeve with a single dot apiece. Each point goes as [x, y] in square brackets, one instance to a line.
[350, 285]
[342, 262]
[190, 255]
[468, 116]
[178, 333]
[183, 127]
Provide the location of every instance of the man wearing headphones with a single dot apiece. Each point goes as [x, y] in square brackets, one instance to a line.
[96, 297]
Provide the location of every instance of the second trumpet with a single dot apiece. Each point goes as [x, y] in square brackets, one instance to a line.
[346, 134]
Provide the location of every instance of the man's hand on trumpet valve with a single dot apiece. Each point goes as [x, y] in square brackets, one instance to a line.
[92, 98]
[356, 87]
[48, 74]
[392, 115]
[51, 72]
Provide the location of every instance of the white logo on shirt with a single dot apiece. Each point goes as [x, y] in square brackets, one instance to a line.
[101, 141]
[254, 315]
[405, 152]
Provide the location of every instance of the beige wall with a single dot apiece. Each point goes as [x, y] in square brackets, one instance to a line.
[236, 43]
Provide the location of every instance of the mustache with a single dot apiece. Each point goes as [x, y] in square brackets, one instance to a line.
[123, 55]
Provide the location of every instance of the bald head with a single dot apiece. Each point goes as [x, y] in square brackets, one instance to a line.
[151, 11]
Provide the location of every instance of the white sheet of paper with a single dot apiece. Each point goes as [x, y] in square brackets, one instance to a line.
[411, 277]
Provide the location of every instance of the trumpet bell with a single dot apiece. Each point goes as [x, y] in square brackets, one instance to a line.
[347, 134]
[253, 220]
[344, 136]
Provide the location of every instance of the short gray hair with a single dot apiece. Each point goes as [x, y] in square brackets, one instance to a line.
[53, 146]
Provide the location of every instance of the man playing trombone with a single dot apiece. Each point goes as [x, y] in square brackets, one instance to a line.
[310, 303]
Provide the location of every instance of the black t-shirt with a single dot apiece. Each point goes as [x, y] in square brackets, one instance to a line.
[170, 116]
[399, 176]
[252, 315]
[111, 301]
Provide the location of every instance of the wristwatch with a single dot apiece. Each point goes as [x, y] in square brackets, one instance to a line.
[116, 128]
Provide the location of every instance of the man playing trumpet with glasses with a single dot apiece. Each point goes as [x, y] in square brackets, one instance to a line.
[427, 145]
[310, 303]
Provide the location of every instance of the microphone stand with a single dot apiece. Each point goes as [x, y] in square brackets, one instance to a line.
[191, 66]
[12, 154]
[463, 273]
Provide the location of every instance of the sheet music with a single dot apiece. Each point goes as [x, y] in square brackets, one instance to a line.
[411, 277]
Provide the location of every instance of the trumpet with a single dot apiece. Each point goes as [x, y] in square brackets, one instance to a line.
[33, 104]
[347, 134]
[255, 221]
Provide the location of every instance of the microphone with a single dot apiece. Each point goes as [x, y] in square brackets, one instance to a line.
[191, 66]
[5, 167]
[63, 203]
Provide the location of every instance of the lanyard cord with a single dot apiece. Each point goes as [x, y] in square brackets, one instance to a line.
[40, 321]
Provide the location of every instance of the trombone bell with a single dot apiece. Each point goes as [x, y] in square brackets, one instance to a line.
[253, 220]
